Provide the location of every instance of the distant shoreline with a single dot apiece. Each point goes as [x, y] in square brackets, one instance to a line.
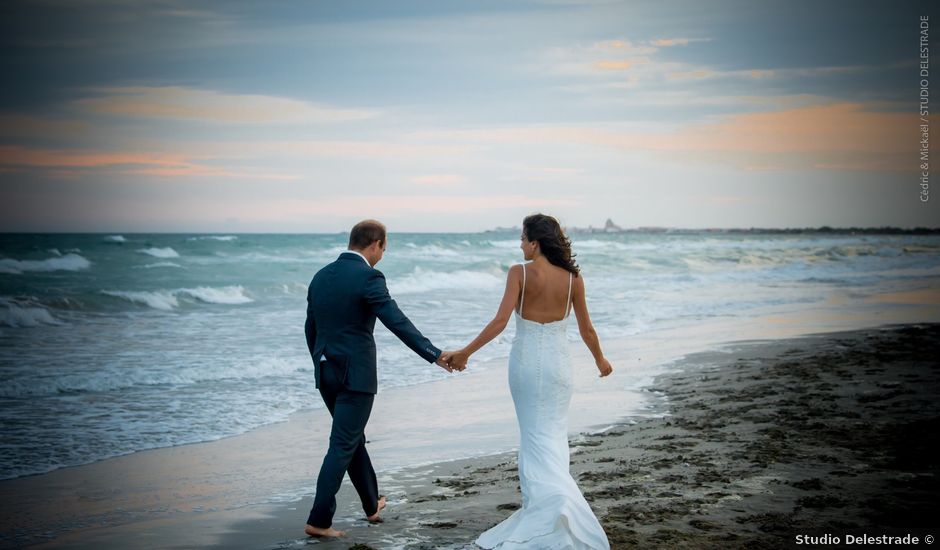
[887, 230]
[825, 229]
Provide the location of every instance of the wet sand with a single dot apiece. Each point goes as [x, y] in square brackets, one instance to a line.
[831, 433]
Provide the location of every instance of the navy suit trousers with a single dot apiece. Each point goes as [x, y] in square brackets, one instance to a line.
[347, 452]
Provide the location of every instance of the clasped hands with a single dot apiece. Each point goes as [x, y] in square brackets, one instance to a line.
[453, 360]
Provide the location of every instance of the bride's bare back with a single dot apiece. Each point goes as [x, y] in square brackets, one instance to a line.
[546, 293]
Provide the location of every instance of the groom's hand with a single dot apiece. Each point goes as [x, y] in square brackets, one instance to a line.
[443, 361]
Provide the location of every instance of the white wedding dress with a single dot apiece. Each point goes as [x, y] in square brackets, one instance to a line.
[554, 514]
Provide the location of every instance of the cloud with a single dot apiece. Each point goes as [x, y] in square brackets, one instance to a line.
[399, 205]
[524, 173]
[638, 66]
[618, 64]
[439, 179]
[152, 164]
[816, 129]
[692, 72]
[17, 155]
[668, 42]
[597, 56]
[836, 136]
[686, 75]
[623, 47]
[593, 59]
[195, 170]
[833, 136]
[32, 126]
[206, 105]
[400, 147]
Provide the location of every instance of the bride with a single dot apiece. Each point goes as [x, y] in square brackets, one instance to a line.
[554, 513]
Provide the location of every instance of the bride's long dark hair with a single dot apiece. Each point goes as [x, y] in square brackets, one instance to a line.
[553, 243]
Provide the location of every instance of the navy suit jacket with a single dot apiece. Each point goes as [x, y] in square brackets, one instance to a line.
[343, 301]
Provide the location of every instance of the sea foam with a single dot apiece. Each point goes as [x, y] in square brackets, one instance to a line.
[432, 251]
[158, 264]
[168, 300]
[213, 238]
[162, 300]
[160, 252]
[69, 262]
[223, 295]
[421, 280]
[16, 314]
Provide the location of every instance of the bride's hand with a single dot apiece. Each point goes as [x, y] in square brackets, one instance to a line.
[458, 359]
[603, 365]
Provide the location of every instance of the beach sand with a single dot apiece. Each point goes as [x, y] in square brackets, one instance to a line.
[744, 445]
[766, 440]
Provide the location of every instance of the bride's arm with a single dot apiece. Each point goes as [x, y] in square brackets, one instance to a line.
[586, 328]
[498, 324]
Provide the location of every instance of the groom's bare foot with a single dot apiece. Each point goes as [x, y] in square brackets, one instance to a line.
[321, 532]
[374, 518]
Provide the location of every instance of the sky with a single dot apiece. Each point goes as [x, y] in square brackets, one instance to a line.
[454, 116]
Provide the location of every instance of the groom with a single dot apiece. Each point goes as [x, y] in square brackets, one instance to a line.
[343, 301]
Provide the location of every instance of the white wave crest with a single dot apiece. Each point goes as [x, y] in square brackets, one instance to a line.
[69, 262]
[503, 244]
[259, 257]
[213, 238]
[421, 280]
[115, 239]
[432, 251]
[597, 244]
[223, 295]
[167, 300]
[161, 300]
[160, 252]
[158, 264]
[17, 314]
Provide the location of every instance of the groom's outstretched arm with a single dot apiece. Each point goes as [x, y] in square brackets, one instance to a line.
[385, 308]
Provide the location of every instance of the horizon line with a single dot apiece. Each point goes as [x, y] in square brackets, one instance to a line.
[589, 229]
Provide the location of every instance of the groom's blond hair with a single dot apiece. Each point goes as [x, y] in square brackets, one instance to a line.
[365, 233]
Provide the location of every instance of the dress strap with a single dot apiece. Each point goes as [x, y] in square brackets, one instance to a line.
[568, 301]
[522, 298]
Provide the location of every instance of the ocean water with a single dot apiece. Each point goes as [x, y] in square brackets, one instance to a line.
[110, 344]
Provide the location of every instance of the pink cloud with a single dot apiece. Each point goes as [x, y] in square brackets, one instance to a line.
[618, 64]
[152, 164]
[18, 155]
[835, 136]
[820, 129]
[370, 149]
